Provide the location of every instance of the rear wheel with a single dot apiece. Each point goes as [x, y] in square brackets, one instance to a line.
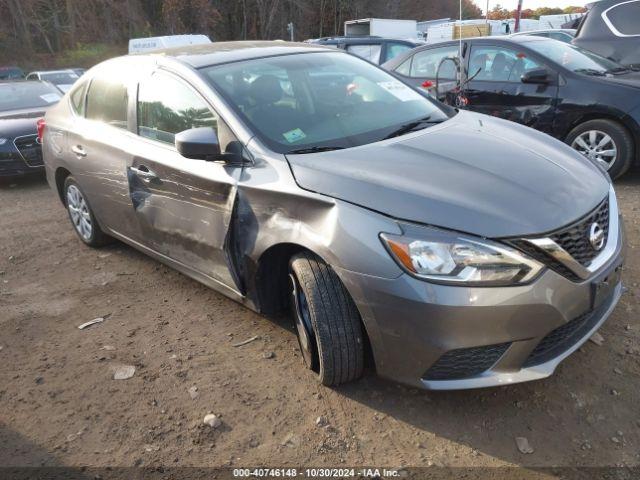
[327, 321]
[606, 142]
[81, 215]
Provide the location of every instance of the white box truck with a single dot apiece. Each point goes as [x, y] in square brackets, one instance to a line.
[381, 27]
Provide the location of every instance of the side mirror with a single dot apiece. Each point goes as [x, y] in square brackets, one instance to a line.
[198, 143]
[202, 144]
[537, 75]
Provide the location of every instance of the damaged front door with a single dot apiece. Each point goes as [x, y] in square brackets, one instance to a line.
[183, 206]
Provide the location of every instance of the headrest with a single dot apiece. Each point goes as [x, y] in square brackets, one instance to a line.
[266, 89]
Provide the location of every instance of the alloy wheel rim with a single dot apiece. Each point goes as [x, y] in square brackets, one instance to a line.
[79, 212]
[597, 146]
[306, 338]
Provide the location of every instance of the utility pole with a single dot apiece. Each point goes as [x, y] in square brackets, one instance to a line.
[290, 30]
[516, 27]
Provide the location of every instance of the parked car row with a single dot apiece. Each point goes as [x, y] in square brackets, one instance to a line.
[23, 100]
[22, 103]
[456, 249]
[588, 101]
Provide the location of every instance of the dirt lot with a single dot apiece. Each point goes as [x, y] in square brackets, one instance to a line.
[59, 403]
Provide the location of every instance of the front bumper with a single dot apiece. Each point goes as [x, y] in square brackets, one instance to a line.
[419, 330]
[27, 159]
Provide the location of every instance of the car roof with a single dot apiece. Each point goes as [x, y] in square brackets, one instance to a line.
[64, 70]
[545, 30]
[366, 39]
[497, 39]
[23, 81]
[493, 40]
[217, 53]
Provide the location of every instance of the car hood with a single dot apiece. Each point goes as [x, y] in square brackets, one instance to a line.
[473, 173]
[631, 79]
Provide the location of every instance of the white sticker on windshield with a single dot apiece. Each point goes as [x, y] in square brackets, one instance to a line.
[50, 97]
[294, 135]
[400, 91]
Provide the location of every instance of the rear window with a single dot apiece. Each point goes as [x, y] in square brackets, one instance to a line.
[60, 78]
[107, 102]
[10, 73]
[624, 18]
[368, 52]
[23, 95]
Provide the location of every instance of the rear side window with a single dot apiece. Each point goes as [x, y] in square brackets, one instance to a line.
[76, 97]
[395, 49]
[425, 63]
[624, 18]
[162, 115]
[368, 52]
[405, 67]
[500, 64]
[107, 101]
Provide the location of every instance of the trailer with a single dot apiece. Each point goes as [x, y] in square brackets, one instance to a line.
[454, 30]
[381, 27]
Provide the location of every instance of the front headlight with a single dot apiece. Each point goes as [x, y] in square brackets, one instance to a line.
[448, 257]
[3, 141]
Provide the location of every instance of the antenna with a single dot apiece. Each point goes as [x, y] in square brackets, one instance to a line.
[460, 47]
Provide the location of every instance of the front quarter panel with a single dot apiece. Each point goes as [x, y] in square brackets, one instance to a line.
[583, 98]
[273, 209]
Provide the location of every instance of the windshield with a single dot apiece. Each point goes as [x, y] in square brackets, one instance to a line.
[23, 95]
[60, 78]
[10, 72]
[320, 100]
[573, 58]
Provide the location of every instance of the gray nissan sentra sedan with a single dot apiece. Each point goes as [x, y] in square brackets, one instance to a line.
[456, 250]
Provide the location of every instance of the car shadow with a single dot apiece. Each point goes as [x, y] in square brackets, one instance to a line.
[25, 182]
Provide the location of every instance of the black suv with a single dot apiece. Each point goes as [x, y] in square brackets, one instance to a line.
[611, 28]
[375, 49]
[589, 102]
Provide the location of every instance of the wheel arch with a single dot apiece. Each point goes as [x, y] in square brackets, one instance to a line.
[271, 284]
[60, 177]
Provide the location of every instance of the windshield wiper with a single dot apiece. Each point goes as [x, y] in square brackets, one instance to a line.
[618, 70]
[408, 127]
[591, 71]
[315, 149]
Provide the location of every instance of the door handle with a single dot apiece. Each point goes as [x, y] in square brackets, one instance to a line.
[144, 173]
[79, 151]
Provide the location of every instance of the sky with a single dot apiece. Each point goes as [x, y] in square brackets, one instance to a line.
[533, 4]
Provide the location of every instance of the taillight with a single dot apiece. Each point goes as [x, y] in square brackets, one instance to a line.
[40, 125]
[427, 84]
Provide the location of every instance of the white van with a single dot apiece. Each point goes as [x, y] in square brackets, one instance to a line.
[149, 44]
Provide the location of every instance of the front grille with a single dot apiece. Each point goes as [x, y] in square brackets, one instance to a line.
[465, 362]
[541, 256]
[575, 238]
[30, 150]
[562, 338]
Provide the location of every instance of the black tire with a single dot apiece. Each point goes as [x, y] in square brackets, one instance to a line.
[621, 137]
[337, 331]
[97, 238]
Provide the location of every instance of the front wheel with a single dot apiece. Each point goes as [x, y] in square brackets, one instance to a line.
[606, 142]
[81, 216]
[327, 321]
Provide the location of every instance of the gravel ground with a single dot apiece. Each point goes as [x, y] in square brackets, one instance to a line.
[59, 403]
